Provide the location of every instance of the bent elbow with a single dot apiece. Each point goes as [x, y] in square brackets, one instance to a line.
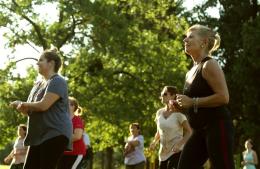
[189, 133]
[224, 99]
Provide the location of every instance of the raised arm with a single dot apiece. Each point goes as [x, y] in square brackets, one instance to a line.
[47, 101]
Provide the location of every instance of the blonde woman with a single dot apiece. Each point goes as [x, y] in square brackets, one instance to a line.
[205, 97]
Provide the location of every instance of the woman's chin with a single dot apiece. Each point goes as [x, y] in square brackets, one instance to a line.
[40, 72]
[187, 51]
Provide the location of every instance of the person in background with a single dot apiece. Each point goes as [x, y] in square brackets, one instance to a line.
[204, 99]
[173, 130]
[250, 159]
[17, 155]
[86, 161]
[49, 125]
[86, 140]
[72, 159]
[134, 148]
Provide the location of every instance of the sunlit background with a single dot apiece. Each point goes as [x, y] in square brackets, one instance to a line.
[50, 15]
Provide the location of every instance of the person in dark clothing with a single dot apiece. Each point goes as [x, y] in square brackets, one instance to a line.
[204, 98]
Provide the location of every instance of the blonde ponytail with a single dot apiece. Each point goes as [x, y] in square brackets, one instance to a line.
[216, 44]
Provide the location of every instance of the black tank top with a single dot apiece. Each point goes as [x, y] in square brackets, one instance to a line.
[200, 88]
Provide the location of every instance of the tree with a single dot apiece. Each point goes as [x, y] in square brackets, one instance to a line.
[136, 50]
[122, 54]
[12, 88]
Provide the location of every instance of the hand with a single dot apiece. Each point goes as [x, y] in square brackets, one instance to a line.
[243, 162]
[7, 160]
[14, 104]
[174, 106]
[23, 108]
[152, 146]
[184, 101]
[128, 149]
[176, 148]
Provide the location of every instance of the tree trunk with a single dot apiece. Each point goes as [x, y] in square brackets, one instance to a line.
[109, 158]
[103, 160]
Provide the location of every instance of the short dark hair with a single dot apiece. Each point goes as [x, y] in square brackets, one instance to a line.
[137, 125]
[171, 89]
[52, 54]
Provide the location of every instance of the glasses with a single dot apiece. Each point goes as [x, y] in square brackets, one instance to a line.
[164, 94]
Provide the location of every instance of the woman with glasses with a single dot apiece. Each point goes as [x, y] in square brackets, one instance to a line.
[173, 130]
[72, 159]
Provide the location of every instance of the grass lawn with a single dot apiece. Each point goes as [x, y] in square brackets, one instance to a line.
[4, 167]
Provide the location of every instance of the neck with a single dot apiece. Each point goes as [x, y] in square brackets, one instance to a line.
[135, 135]
[22, 136]
[198, 58]
[248, 149]
[170, 109]
[48, 75]
[71, 115]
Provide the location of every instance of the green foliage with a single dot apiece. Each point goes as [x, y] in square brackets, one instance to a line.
[122, 54]
[11, 89]
[136, 51]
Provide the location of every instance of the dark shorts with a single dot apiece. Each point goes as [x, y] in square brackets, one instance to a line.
[140, 165]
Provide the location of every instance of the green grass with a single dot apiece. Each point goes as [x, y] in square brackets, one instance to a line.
[4, 166]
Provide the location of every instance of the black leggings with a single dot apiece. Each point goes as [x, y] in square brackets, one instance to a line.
[47, 154]
[171, 162]
[70, 161]
[215, 142]
[16, 166]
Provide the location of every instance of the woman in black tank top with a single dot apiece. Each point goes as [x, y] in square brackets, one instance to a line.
[204, 98]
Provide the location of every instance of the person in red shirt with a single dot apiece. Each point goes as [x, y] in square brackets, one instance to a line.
[72, 159]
